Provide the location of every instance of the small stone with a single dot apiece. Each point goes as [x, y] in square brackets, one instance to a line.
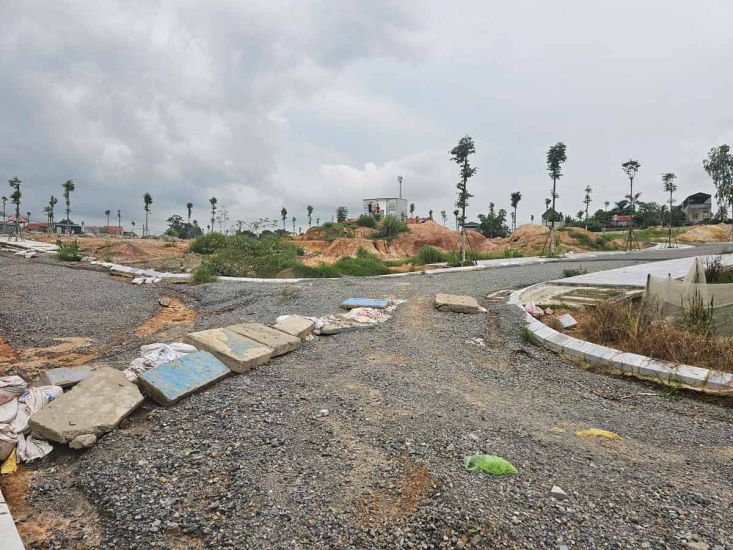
[473, 437]
[323, 412]
[165, 302]
[697, 546]
[83, 441]
[450, 448]
[457, 304]
[558, 493]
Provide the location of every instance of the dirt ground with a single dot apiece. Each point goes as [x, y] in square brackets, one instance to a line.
[254, 462]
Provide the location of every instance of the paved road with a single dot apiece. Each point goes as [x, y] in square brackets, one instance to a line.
[253, 462]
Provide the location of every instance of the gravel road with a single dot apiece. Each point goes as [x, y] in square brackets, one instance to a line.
[356, 440]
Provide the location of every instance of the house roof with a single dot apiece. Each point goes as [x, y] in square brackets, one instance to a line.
[696, 198]
[551, 212]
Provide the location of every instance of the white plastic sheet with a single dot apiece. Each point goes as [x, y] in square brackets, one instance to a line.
[154, 355]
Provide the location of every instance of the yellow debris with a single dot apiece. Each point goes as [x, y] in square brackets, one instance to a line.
[595, 432]
[10, 465]
[557, 430]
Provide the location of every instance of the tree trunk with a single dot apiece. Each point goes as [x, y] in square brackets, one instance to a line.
[552, 223]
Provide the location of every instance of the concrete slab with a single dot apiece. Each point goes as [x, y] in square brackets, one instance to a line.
[279, 342]
[175, 380]
[295, 325]
[63, 376]
[375, 303]
[95, 405]
[457, 304]
[567, 320]
[237, 352]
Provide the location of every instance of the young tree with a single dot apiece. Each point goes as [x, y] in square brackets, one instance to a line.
[5, 200]
[515, 198]
[189, 209]
[670, 187]
[587, 202]
[52, 202]
[412, 209]
[213, 201]
[605, 212]
[309, 209]
[15, 197]
[493, 224]
[119, 220]
[342, 213]
[719, 166]
[284, 216]
[631, 168]
[430, 214]
[293, 224]
[147, 201]
[460, 155]
[547, 203]
[556, 157]
[107, 213]
[444, 217]
[68, 187]
[456, 214]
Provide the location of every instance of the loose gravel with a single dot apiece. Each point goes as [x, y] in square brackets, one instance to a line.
[356, 440]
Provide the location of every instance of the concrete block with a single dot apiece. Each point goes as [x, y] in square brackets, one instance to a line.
[695, 377]
[95, 405]
[279, 342]
[238, 353]
[295, 325]
[63, 376]
[175, 380]
[719, 381]
[457, 304]
[375, 303]
[653, 370]
[567, 321]
[8, 532]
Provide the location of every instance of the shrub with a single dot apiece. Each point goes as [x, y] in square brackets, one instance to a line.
[390, 227]
[716, 273]
[205, 273]
[208, 244]
[574, 272]
[430, 255]
[68, 252]
[365, 220]
[244, 256]
[361, 266]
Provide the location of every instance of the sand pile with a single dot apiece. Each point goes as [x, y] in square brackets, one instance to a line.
[706, 233]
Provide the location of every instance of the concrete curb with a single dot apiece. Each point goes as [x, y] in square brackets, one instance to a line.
[9, 537]
[631, 364]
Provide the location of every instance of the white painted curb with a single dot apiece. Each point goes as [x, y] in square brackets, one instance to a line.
[631, 364]
[9, 537]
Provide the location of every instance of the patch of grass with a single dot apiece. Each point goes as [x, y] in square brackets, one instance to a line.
[332, 231]
[361, 267]
[637, 329]
[573, 272]
[205, 273]
[454, 258]
[390, 227]
[716, 273]
[320, 271]
[430, 255]
[68, 252]
[552, 322]
[170, 245]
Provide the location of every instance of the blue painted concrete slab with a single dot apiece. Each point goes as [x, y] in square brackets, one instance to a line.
[175, 380]
[375, 303]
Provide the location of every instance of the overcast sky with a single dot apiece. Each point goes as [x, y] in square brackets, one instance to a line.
[271, 103]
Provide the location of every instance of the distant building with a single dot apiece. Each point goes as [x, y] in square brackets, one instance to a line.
[471, 226]
[65, 226]
[697, 207]
[386, 206]
[551, 214]
[621, 220]
[37, 226]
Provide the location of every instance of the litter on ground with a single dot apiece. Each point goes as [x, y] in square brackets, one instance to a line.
[154, 355]
[595, 432]
[491, 464]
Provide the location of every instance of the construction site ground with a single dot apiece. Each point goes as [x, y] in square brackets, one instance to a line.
[357, 440]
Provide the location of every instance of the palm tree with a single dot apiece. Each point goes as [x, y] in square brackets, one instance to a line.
[631, 167]
[68, 187]
[456, 213]
[132, 223]
[605, 215]
[670, 187]
[189, 207]
[147, 200]
[212, 202]
[5, 200]
[556, 157]
[430, 214]
[293, 224]
[515, 198]
[119, 221]
[15, 197]
[107, 213]
[284, 216]
[444, 216]
[412, 209]
[309, 208]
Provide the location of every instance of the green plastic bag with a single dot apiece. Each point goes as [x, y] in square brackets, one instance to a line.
[488, 463]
